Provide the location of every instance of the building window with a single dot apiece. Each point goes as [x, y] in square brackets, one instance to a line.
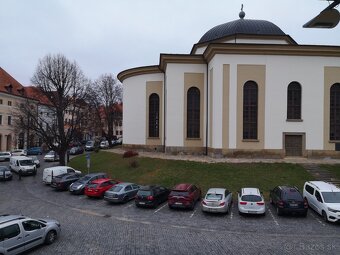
[154, 115]
[1, 102]
[9, 120]
[294, 101]
[193, 113]
[0, 119]
[9, 103]
[334, 132]
[250, 105]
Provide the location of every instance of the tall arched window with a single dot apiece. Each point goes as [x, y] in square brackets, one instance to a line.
[294, 101]
[193, 113]
[250, 105]
[334, 125]
[154, 115]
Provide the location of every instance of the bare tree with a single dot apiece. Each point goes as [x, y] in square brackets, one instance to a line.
[65, 87]
[107, 93]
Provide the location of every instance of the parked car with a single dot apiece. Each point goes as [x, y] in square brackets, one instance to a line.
[104, 144]
[78, 187]
[251, 201]
[98, 187]
[76, 150]
[5, 173]
[324, 198]
[51, 156]
[34, 151]
[23, 165]
[184, 196]
[121, 192]
[19, 152]
[19, 233]
[151, 196]
[217, 200]
[89, 146]
[288, 199]
[63, 181]
[51, 172]
[35, 160]
[5, 155]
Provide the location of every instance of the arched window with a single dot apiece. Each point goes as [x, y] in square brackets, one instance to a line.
[334, 125]
[250, 105]
[154, 115]
[193, 113]
[294, 101]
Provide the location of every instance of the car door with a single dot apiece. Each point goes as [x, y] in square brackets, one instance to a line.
[12, 239]
[128, 191]
[33, 233]
[276, 196]
[318, 202]
[135, 189]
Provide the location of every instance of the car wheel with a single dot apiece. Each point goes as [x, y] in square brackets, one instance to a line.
[125, 199]
[50, 237]
[240, 213]
[324, 216]
[170, 206]
[304, 214]
[278, 211]
[192, 206]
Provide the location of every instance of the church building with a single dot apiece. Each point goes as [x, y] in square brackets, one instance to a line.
[246, 89]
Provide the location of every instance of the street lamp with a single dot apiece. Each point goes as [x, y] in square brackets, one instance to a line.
[328, 18]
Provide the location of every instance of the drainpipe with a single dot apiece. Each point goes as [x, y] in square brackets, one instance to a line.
[164, 111]
[207, 109]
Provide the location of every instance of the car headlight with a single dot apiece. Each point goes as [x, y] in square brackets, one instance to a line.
[332, 210]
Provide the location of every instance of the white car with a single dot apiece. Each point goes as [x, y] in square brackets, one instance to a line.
[19, 152]
[250, 200]
[217, 200]
[324, 198]
[35, 160]
[5, 155]
[51, 172]
[104, 144]
[51, 156]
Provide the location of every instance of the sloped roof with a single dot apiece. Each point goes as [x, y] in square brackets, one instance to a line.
[10, 85]
[35, 93]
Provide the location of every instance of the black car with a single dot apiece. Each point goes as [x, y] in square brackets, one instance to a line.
[5, 173]
[151, 196]
[76, 150]
[63, 181]
[78, 187]
[288, 199]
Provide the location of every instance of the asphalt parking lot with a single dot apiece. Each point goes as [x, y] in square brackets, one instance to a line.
[93, 226]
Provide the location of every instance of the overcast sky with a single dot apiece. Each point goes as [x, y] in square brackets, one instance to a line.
[109, 36]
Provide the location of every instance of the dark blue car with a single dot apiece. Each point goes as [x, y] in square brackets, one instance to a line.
[34, 151]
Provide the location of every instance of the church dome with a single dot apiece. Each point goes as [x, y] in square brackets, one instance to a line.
[241, 26]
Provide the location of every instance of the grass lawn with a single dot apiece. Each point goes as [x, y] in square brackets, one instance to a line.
[171, 172]
[334, 169]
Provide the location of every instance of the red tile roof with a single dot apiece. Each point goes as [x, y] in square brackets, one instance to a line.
[35, 93]
[10, 85]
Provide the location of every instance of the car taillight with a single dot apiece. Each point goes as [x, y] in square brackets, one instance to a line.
[150, 198]
[260, 203]
[243, 203]
[305, 204]
[280, 203]
[204, 203]
[222, 203]
[96, 190]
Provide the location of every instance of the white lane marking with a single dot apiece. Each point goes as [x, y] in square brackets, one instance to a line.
[317, 219]
[193, 213]
[128, 206]
[231, 211]
[272, 215]
[160, 208]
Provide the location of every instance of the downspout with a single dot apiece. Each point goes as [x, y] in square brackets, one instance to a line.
[164, 112]
[207, 109]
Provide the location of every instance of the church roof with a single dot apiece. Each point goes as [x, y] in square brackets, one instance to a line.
[241, 26]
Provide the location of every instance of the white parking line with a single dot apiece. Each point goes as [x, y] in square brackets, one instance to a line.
[317, 219]
[272, 215]
[160, 208]
[193, 213]
[231, 211]
[130, 205]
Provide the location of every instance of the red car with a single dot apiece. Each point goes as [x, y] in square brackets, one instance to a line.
[98, 187]
[184, 196]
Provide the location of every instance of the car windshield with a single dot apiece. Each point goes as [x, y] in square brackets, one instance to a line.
[26, 162]
[179, 193]
[50, 153]
[34, 157]
[84, 179]
[251, 198]
[291, 194]
[89, 143]
[116, 188]
[213, 196]
[144, 192]
[331, 197]
[92, 185]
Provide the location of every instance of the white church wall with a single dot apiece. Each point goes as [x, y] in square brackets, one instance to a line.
[134, 110]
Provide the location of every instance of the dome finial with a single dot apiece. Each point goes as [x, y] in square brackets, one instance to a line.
[242, 14]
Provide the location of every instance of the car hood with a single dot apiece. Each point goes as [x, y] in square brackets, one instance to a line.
[77, 183]
[50, 221]
[335, 206]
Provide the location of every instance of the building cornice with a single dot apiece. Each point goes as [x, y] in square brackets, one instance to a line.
[179, 59]
[138, 71]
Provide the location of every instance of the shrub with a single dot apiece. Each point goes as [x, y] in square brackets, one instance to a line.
[130, 154]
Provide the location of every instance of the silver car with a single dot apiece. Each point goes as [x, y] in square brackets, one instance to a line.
[121, 192]
[217, 200]
[19, 233]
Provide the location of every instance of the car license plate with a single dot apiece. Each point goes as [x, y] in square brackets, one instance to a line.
[177, 203]
[293, 205]
[89, 189]
[142, 203]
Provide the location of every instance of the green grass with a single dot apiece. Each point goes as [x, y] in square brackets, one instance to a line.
[205, 175]
[334, 169]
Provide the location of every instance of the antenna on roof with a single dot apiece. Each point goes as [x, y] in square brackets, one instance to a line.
[242, 14]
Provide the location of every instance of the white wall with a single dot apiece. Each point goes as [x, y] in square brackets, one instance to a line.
[134, 110]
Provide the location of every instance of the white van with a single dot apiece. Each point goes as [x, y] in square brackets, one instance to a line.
[51, 172]
[24, 164]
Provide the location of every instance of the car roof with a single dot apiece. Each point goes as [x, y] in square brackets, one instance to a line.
[58, 167]
[125, 183]
[324, 186]
[250, 191]
[216, 190]
[7, 218]
[182, 187]
[94, 174]
[101, 180]
[149, 187]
